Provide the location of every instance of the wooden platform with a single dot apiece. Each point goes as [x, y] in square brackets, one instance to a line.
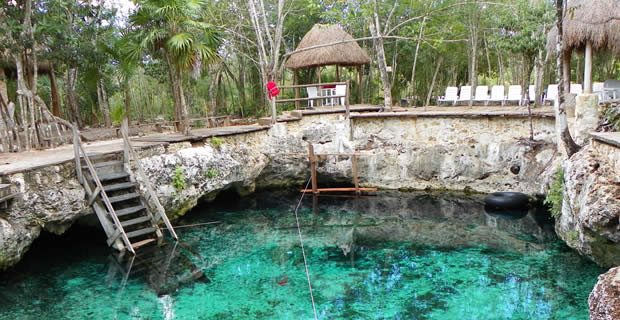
[460, 112]
[201, 134]
[611, 138]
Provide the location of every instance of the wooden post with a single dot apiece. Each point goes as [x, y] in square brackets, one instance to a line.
[76, 146]
[274, 116]
[296, 89]
[346, 100]
[587, 75]
[566, 72]
[125, 133]
[320, 101]
[337, 73]
[360, 72]
[313, 168]
[355, 178]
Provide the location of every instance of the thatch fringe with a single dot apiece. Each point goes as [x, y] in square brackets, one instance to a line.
[347, 54]
[597, 21]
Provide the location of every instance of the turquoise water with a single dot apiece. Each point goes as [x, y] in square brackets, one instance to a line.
[396, 256]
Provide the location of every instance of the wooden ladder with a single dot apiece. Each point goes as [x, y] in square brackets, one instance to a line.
[114, 195]
[6, 195]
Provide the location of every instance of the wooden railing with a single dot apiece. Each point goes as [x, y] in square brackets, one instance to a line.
[150, 196]
[297, 99]
[99, 191]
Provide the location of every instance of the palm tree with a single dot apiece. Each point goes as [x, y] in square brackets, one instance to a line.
[175, 31]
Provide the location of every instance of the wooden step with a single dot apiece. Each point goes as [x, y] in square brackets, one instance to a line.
[135, 221]
[119, 186]
[113, 176]
[129, 210]
[141, 243]
[124, 197]
[108, 164]
[140, 232]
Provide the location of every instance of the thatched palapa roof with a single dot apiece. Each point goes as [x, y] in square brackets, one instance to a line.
[597, 21]
[345, 54]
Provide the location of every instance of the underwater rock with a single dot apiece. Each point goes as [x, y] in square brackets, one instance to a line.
[590, 215]
[604, 301]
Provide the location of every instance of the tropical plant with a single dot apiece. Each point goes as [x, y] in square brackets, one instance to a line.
[175, 31]
[556, 194]
[178, 178]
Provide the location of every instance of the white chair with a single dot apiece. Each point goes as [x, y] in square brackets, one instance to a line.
[465, 95]
[552, 93]
[312, 93]
[531, 91]
[597, 88]
[482, 94]
[611, 90]
[341, 90]
[497, 95]
[514, 94]
[451, 95]
[576, 88]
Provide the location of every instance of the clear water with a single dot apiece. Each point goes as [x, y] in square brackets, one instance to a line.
[408, 256]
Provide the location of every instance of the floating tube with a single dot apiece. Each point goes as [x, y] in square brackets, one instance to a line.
[498, 201]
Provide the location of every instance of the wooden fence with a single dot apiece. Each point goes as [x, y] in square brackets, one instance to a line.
[298, 99]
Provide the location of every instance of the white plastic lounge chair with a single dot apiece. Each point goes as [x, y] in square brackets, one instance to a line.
[531, 91]
[576, 88]
[497, 95]
[465, 95]
[341, 90]
[611, 90]
[452, 94]
[552, 93]
[482, 95]
[514, 94]
[312, 93]
[597, 88]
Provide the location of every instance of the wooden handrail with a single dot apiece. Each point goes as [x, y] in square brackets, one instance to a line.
[104, 196]
[131, 153]
[314, 85]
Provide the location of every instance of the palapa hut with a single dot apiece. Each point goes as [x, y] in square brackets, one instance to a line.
[348, 54]
[589, 25]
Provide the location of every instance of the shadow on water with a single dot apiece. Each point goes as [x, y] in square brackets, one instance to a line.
[164, 267]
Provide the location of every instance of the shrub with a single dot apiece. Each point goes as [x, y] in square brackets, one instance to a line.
[211, 173]
[178, 179]
[216, 142]
[556, 194]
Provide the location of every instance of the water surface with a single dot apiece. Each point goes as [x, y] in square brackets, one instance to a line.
[396, 256]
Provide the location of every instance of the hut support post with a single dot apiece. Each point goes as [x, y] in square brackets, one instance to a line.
[337, 73]
[587, 76]
[566, 72]
[360, 71]
[274, 116]
[318, 71]
[296, 89]
[346, 100]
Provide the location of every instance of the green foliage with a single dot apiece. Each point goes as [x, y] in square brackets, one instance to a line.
[117, 114]
[556, 194]
[217, 142]
[211, 173]
[611, 117]
[178, 178]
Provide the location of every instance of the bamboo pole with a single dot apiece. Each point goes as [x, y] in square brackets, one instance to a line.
[587, 76]
[296, 89]
[312, 159]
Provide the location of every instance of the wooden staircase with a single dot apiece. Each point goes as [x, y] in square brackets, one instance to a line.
[6, 195]
[112, 191]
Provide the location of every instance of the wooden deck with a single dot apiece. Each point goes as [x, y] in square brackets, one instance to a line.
[19, 162]
[460, 111]
[611, 138]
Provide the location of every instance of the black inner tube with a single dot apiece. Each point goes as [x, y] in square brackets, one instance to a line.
[498, 201]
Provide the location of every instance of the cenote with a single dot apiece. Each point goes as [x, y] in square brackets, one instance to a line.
[393, 256]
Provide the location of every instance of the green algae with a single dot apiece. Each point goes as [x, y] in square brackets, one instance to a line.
[255, 270]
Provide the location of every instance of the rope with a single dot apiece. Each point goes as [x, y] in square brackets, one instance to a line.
[195, 225]
[303, 252]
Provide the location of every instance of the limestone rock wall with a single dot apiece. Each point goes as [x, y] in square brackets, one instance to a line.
[591, 208]
[604, 300]
[484, 154]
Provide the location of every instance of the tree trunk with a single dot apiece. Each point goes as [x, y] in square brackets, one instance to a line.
[430, 91]
[241, 84]
[561, 118]
[127, 99]
[378, 41]
[54, 92]
[486, 49]
[539, 72]
[105, 106]
[415, 59]
[71, 99]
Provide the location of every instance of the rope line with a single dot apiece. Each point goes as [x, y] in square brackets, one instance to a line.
[303, 251]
